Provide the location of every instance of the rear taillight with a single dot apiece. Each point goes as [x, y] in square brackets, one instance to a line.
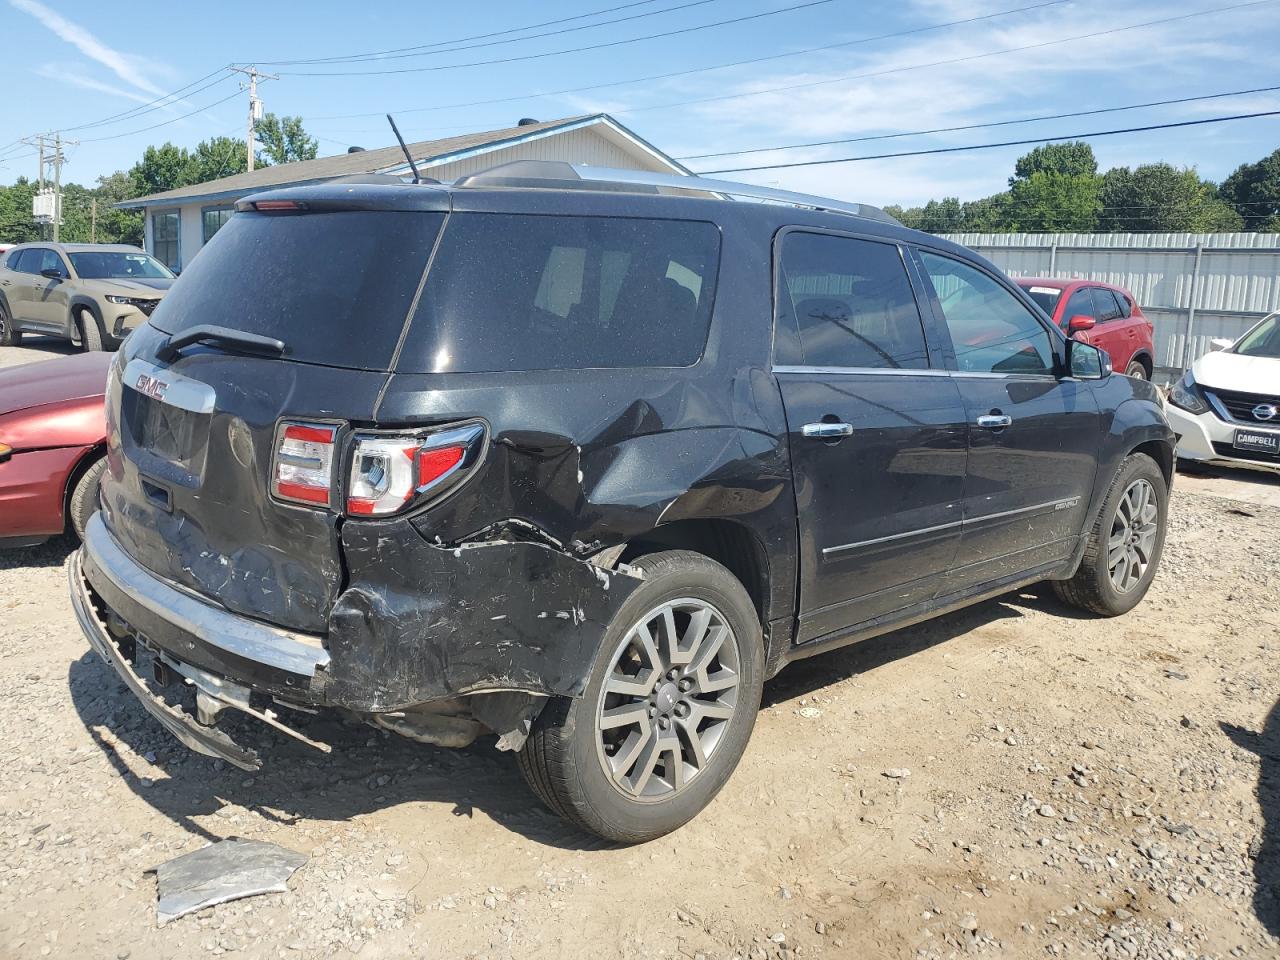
[303, 465]
[391, 472]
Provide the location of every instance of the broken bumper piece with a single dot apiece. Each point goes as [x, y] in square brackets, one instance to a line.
[200, 642]
[207, 740]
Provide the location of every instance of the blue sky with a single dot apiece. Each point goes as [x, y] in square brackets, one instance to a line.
[71, 62]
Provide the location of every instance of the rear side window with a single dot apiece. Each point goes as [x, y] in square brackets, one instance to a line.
[336, 287]
[1105, 301]
[519, 292]
[850, 302]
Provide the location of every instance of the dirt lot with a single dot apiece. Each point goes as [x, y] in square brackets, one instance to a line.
[1076, 788]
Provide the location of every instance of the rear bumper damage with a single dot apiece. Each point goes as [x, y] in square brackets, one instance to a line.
[438, 643]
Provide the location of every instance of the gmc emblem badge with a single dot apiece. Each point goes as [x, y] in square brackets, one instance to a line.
[151, 386]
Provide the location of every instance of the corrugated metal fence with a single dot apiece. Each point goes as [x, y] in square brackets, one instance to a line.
[1192, 286]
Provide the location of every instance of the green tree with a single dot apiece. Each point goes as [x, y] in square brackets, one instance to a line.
[16, 225]
[1050, 202]
[1073, 159]
[1158, 198]
[1254, 191]
[160, 169]
[284, 140]
[117, 226]
[217, 158]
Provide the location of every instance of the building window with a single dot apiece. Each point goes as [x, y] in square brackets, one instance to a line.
[212, 220]
[164, 239]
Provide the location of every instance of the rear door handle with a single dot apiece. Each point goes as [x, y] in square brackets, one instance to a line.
[827, 430]
[995, 421]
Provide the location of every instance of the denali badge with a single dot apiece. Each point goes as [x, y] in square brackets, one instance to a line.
[1265, 411]
[151, 386]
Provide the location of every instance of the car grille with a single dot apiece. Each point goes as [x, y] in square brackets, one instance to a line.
[146, 306]
[1240, 406]
[1227, 450]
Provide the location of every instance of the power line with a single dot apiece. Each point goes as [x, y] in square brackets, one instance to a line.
[980, 126]
[431, 49]
[163, 123]
[557, 53]
[159, 103]
[991, 146]
[948, 62]
[719, 66]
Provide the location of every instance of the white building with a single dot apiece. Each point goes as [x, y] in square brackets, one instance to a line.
[179, 222]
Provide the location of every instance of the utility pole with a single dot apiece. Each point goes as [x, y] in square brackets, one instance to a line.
[44, 144]
[93, 222]
[57, 183]
[255, 105]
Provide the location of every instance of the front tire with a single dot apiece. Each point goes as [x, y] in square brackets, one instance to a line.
[1125, 544]
[668, 707]
[9, 337]
[83, 501]
[92, 339]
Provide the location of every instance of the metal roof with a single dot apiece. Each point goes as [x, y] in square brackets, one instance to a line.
[382, 159]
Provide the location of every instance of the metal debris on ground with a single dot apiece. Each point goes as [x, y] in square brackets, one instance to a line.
[227, 870]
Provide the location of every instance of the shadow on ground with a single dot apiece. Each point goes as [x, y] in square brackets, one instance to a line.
[51, 553]
[370, 770]
[1266, 861]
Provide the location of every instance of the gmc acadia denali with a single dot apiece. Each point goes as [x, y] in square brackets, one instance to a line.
[579, 458]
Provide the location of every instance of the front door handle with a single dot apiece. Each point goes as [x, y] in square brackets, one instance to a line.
[995, 421]
[825, 431]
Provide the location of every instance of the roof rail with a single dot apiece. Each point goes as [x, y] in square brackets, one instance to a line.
[559, 175]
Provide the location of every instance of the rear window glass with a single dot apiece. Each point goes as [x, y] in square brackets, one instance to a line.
[335, 287]
[520, 292]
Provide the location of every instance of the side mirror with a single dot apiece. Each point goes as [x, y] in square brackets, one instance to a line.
[1220, 343]
[1080, 323]
[1087, 362]
[52, 273]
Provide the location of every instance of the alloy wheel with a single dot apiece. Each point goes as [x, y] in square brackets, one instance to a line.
[667, 699]
[1133, 536]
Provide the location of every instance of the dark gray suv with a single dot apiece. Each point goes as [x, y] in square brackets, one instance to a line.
[554, 455]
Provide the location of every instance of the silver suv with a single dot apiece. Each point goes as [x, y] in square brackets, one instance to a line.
[94, 294]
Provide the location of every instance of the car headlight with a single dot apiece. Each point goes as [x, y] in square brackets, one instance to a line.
[1186, 394]
[115, 299]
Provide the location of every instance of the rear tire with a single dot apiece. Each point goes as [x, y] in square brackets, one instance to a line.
[1125, 544]
[686, 711]
[92, 339]
[9, 337]
[83, 502]
[1138, 370]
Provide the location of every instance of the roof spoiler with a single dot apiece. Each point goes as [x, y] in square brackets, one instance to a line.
[559, 175]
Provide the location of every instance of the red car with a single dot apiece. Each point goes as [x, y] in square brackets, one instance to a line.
[52, 442]
[1098, 313]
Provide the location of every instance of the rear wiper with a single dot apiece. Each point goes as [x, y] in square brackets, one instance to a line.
[223, 337]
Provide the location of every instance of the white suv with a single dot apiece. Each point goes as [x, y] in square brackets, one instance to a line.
[1226, 408]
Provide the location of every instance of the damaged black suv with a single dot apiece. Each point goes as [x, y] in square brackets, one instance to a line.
[579, 458]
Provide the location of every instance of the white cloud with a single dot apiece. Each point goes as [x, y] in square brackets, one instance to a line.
[1130, 66]
[64, 74]
[123, 65]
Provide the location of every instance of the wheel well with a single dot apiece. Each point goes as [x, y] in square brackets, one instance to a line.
[729, 544]
[1147, 363]
[1161, 453]
[87, 460]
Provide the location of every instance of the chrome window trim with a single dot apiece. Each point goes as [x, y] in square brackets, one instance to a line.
[909, 372]
[1063, 504]
[883, 371]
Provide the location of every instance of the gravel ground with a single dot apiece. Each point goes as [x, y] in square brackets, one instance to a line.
[1014, 780]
